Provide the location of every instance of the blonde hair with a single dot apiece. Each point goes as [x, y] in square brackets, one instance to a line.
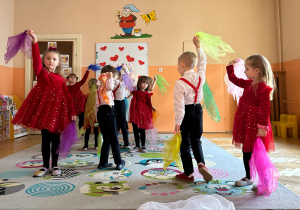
[265, 71]
[58, 70]
[188, 58]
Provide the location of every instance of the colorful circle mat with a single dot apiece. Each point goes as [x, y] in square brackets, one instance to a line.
[153, 163]
[30, 164]
[82, 155]
[151, 155]
[161, 188]
[76, 163]
[65, 174]
[104, 189]
[220, 187]
[16, 173]
[216, 173]
[110, 175]
[7, 188]
[160, 173]
[48, 189]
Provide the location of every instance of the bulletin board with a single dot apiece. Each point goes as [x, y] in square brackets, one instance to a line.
[133, 55]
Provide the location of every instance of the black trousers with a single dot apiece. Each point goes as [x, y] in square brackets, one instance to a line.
[191, 132]
[81, 120]
[139, 133]
[246, 159]
[121, 120]
[47, 139]
[108, 127]
[87, 136]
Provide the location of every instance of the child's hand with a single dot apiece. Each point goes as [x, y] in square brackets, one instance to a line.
[233, 62]
[32, 35]
[87, 69]
[73, 118]
[155, 78]
[196, 41]
[177, 129]
[261, 132]
[109, 74]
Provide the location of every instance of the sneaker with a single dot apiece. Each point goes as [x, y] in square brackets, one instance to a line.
[83, 149]
[134, 149]
[40, 172]
[120, 166]
[125, 147]
[254, 188]
[56, 171]
[105, 166]
[243, 182]
[204, 172]
[142, 150]
[95, 148]
[184, 178]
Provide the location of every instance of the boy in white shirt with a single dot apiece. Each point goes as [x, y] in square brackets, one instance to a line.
[107, 121]
[188, 93]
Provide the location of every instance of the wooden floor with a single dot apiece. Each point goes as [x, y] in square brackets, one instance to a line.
[286, 157]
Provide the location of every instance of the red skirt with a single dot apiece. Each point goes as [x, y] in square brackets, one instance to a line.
[141, 116]
[79, 102]
[45, 107]
[245, 129]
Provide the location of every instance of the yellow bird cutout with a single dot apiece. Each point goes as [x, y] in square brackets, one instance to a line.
[147, 17]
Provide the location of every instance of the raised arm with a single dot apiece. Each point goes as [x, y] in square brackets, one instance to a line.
[36, 59]
[81, 82]
[231, 76]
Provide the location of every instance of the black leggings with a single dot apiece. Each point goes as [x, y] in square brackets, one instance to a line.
[47, 138]
[81, 120]
[87, 136]
[246, 159]
[139, 133]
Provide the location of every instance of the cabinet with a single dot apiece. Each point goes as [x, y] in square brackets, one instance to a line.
[9, 105]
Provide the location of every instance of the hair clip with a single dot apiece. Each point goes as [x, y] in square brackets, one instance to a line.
[52, 48]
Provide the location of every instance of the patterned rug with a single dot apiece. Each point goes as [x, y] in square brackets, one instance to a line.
[82, 186]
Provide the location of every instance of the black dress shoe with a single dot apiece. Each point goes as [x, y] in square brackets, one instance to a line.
[120, 166]
[105, 166]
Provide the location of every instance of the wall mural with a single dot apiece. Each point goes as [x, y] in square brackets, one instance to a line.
[127, 22]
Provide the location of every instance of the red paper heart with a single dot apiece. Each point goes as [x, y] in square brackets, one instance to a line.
[102, 64]
[121, 48]
[129, 59]
[115, 58]
[140, 47]
[103, 48]
[141, 62]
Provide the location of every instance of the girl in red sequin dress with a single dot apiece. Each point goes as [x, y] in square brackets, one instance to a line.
[78, 98]
[48, 106]
[141, 113]
[252, 117]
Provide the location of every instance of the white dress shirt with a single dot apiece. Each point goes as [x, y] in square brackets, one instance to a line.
[121, 92]
[185, 94]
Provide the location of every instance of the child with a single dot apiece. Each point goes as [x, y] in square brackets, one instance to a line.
[107, 121]
[141, 113]
[188, 93]
[48, 107]
[119, 95]
[90, 118]
[77, 96]
[252, 115]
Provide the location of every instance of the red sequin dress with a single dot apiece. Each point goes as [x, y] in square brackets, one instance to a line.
[253, 108]
[78, 98]
[141, 109]
[49, 103]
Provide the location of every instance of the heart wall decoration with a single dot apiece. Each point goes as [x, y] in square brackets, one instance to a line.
[133, 55]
